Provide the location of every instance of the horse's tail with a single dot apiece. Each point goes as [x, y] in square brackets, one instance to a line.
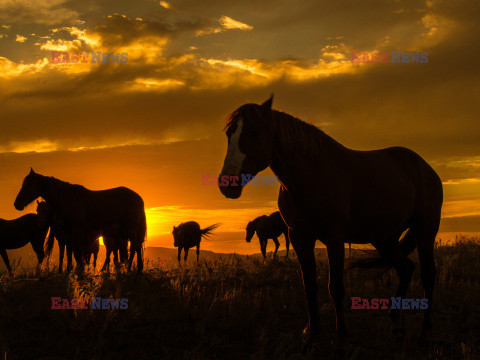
[208, 230]
[50, 241]
[407, 245]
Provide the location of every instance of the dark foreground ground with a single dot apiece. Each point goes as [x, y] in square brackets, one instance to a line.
[233, 308]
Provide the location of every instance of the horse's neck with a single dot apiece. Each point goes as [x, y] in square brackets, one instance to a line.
[295, 160]
[57, 193]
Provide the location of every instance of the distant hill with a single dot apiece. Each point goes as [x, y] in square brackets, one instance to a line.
[27, 258]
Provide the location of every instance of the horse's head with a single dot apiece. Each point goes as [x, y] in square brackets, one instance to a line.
[250, 231]
[44, 212]
[250, 146]
[30, 190]
[174, 233]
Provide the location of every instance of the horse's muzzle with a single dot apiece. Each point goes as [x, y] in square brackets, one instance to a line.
[230, 191]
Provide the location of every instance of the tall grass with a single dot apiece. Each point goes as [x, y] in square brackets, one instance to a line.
[234, 308]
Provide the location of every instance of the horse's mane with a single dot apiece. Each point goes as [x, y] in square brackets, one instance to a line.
[62, 183]
[292, 132]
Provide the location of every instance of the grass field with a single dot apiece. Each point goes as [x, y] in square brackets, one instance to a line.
[234, 308]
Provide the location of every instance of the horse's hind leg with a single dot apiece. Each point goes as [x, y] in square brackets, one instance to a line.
[287, 243]
[106, 264]
[277, 245]
[61, 256]
[69, 258]
[392, 253]
[425, 248]
[132, 255]
[3, 252]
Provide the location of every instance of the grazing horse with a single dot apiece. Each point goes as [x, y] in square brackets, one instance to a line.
[89, 212]
[337, 195]
[188, 234]
[17, 233]
[268, 227]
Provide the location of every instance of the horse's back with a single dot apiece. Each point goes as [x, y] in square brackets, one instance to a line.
[18, 232]
[189, 234]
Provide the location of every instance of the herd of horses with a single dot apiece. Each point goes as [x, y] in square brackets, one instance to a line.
[327, 192]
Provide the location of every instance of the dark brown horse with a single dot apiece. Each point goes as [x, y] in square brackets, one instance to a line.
[268, 227]
[88, 211]
[17, 233]
[338, 195]
[188, 234]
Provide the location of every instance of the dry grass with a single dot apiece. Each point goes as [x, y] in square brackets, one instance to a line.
[236, 308]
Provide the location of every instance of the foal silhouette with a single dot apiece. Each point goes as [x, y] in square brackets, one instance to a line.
[188, 234]
[17, 233]
[268, 227]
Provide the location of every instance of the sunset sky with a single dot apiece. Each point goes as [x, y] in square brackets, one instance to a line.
[155, 123]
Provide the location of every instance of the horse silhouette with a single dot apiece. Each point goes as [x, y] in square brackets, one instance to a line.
[17, 233]
[188, 234]
[268, 227]
[60, 230]
[338, 195]
[88, 211]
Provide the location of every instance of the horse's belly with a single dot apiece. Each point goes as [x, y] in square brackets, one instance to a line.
[12, 243]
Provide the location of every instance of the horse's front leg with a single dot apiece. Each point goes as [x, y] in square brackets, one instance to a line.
[179, 254]
[287, 243]
[186, 255]
[304, 246]
[336, 255]
[78, 252]
[3, 252]
[277, 245]
[263, 248]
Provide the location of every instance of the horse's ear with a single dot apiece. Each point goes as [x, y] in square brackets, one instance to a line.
[31, 171]
[38, 202]
[268, 104]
